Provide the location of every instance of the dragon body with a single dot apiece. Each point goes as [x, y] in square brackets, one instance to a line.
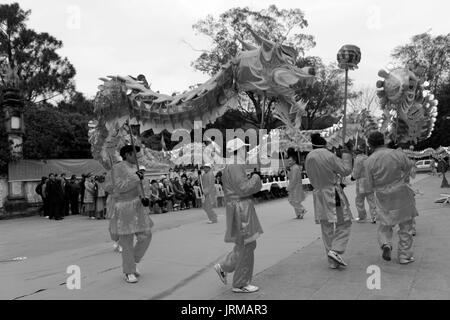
[267, 69]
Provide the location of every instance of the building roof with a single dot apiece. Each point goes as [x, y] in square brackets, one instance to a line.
[29, 170]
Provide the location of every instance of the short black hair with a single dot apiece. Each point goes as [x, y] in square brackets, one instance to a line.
[291, 153]
[376, 139]
[127, 149]
[317, 140]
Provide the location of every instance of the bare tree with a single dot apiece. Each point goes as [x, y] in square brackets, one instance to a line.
[364, 99]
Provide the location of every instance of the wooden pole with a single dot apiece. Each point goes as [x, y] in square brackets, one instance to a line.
[136, 159]
[344, 126]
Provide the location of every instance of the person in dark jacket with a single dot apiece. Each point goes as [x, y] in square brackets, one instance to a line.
[180, 194]
[40, 190]
[189, 190]
[82, 190]
[74, 195]
[55, 196]
[66, 191]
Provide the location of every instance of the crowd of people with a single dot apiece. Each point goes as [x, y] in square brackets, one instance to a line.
[62, 196]
[180, 189]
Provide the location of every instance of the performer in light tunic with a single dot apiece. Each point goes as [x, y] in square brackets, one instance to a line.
[386, 172]
[242, 224]
[331, 206]
[295, 187]
[129, 218]
[362, 188]
[207, 181]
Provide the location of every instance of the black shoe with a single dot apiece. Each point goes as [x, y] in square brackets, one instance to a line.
[386, 252]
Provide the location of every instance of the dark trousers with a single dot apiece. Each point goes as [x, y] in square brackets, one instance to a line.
[45, 207]
[66, 206]
[182, 198]
[56, 209]
[74, 205]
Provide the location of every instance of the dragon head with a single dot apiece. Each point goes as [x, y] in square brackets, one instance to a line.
[270, 69]
[399, 88]
[409, 110]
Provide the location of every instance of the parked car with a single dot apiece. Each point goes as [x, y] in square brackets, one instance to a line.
[424, 165]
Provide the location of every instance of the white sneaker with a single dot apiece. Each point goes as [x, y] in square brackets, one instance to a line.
[131, 278]
[117, 247]
[247, 289]
[222, 274]
[337, 258]
[406, 261]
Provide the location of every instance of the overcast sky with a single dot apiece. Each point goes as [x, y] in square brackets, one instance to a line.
[135, 36]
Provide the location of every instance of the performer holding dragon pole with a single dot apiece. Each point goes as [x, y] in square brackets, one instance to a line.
[331, 206]
[362, 189]
[243, 227]
[295, 187]
[129, 218]
[386, 171]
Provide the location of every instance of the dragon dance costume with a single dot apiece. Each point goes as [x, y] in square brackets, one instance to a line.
[331, 206]
[363, 190]
[386, 171]
[295, 189]
[129, 218]
[209, 190]
[242, 225]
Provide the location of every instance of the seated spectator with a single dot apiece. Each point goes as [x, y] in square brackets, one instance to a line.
[168, 190]
[157, 200]
[282, 175]
[219, 194]
[180, 194]
[199, 197]
[194, 175]
[189, 190]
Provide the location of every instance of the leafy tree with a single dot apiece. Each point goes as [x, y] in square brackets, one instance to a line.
[225, 31]
[5, 151]
[325, 97]
[42, 71]
[431, 52]
[441, 132]
[51, 133]
[77, 103]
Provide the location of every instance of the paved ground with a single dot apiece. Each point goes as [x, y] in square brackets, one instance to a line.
[305, 274]
[289, 259]
[178, 264]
